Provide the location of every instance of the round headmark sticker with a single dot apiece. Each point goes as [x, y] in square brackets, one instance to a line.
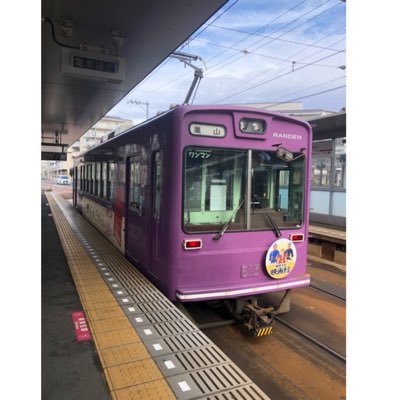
[280, 258]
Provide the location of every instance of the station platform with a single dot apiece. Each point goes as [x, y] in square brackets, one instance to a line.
[334, 235]
[328, 246]
[142, 347]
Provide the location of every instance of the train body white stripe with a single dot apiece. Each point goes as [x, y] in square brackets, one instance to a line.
[268, 288]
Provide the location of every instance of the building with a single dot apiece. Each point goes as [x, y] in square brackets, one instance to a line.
[328, 193]
[93, 137]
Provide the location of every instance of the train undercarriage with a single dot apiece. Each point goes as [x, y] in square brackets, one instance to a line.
[256, 315]
[255, 312]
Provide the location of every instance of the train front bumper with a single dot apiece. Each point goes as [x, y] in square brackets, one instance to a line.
[233, 292]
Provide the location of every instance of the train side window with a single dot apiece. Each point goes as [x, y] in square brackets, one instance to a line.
[103, 184]
[340, 163]
[321, 171]
[93, 179]
[157, 184]
[89, 178]
[134, 184]
[111, 181]
[98, 180]
[81, 175]
[83, 178]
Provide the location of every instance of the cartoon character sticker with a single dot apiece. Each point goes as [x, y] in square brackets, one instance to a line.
[280, 259]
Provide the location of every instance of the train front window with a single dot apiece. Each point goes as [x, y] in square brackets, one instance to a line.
[277, 191]
[217, 191]
[215, 183]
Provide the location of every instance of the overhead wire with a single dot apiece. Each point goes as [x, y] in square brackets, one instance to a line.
[266, 56]
[207, 25]
[277, 77]
[167, 60]
[263, 38]
[284, 33]
[171, 84]
[268, 37]
[249, 34]
[213, 70]
[295, 54]
[305, 97]
[314, 86]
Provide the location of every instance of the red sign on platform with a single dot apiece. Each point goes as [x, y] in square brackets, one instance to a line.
[81, 326]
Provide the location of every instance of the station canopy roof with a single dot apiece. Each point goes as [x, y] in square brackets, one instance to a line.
[144, 32]
[329, 126]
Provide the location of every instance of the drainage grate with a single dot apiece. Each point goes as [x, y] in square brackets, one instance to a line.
[204, 357]
[159, 305]
[248, 392]
[207, 381]
[165, 329]
[151, 297]
[165, 316]
[178, 343]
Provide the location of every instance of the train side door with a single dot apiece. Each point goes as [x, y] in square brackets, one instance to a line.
[75, 186]
[136, 223]
[156, 211]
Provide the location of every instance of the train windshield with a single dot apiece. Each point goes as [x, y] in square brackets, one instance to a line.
[217, 190]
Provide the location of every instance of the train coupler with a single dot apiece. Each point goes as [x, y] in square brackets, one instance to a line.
[260, 319]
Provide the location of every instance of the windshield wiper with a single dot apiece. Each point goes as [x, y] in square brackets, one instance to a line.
[271, 221]
[227, 223]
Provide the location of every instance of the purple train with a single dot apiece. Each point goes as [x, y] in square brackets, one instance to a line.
[209, 202]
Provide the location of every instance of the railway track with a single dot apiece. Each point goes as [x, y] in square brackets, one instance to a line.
[325, 291]
[310, 338]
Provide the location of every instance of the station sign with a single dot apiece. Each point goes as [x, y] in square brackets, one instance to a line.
[53, 156]
[197, 129]
[81, 327]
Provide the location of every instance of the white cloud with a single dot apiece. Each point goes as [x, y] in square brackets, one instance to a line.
[229, 71]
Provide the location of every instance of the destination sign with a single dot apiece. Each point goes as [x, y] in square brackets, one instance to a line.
[207, 130]
[53, 156]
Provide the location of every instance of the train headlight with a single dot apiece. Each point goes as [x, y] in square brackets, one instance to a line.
[250, 125]
[243, 124]
[257, 126]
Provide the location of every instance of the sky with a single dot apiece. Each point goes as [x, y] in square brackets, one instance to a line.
[254, 51]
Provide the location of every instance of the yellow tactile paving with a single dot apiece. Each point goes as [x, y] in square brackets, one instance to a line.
[130, 371]
[92, 282]
[133, 373]
[115, 338]
[158, 390]
[86, 275]
[98, 297]
[112, 324]
[123, 354]
[96, 305]
[95, 288]
[103, 313]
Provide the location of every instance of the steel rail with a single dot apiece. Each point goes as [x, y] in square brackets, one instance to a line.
[324, 291]
[315, 341]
